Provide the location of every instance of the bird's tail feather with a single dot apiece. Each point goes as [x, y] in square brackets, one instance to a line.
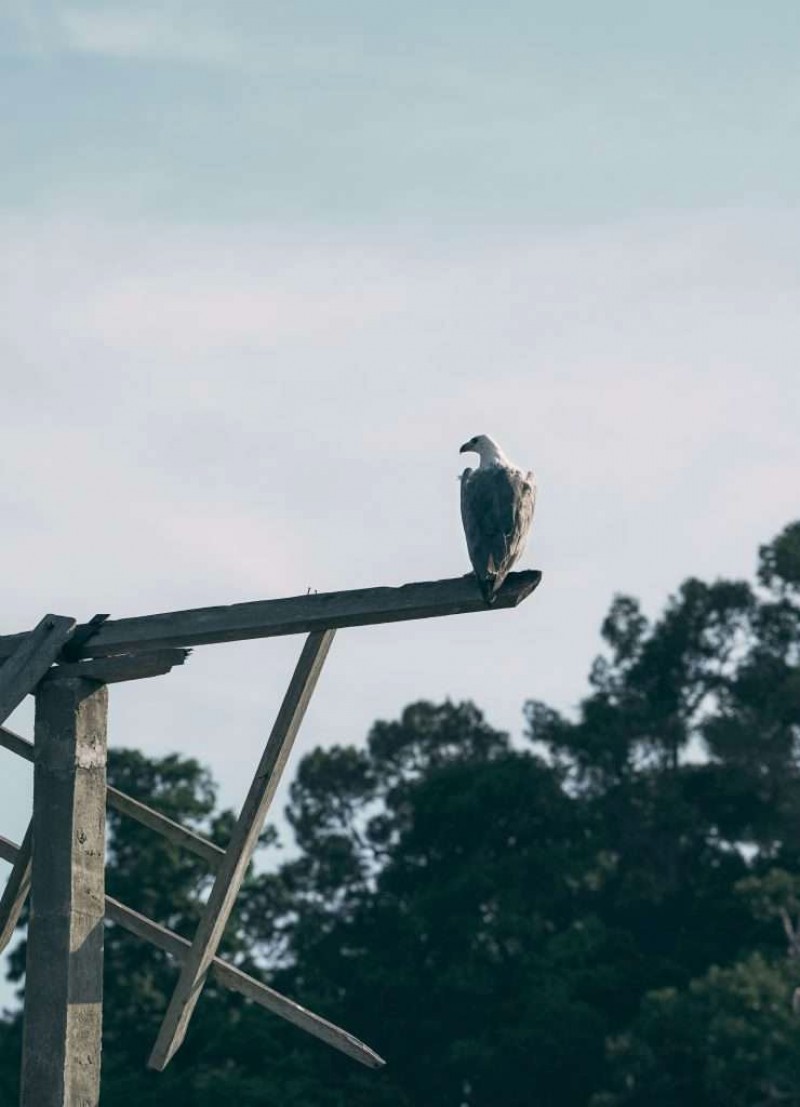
[489, 586]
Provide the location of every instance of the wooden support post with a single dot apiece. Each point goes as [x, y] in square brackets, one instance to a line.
[243, 841]
[64, 970]
[16, 891]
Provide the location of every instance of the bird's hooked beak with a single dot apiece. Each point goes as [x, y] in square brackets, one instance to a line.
[465, 449]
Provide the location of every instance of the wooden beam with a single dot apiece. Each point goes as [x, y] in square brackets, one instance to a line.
[15, 743]
[201, 847]
[16, 890]
[30, 660]
[211, 853]
[112, 670]
[229, 976]
[237, 981]
[297, 615]
[243, 841]
[61, 1038]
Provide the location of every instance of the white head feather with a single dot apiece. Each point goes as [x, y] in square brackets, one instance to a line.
[487, 450]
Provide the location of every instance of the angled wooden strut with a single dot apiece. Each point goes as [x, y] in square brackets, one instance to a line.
[243, 841]
[33, 655]
[16, 890]
[229, 976]
[201, 847]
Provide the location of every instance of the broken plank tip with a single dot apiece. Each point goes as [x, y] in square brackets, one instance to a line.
[366, 1055]
[121, 667]
[523, 583]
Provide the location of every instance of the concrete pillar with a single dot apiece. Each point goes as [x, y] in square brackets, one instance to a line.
[64, 970]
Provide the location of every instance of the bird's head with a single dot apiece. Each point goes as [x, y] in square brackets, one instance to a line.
[485, 447]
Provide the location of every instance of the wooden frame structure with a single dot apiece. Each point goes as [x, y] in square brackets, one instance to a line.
[61, 860]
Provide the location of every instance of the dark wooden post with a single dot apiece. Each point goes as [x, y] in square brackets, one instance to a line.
[64, 971]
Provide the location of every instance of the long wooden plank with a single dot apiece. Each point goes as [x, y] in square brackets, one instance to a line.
[30, 660]
[211, 853]
[16, 890]
[297, 615]
[230, 977]
[240, 849]
[112, 670]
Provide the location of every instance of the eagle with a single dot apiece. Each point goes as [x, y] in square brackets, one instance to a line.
[497, 502]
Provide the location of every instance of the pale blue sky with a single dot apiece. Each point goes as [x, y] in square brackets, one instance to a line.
[265, 267]
[435, 112]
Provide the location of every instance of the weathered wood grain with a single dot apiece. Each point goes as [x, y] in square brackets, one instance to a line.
[16, 890]
[30, 660]
[62, 1028]
[113, 670]
[126, 805]
[240, 849]
[229, 976]
[297, 615]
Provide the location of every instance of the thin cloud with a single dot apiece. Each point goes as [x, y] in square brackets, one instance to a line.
[169, 33]
[237, 38]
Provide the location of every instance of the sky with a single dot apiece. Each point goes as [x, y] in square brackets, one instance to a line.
[265, 267]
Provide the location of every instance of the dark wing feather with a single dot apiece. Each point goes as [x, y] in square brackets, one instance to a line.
[496, 509]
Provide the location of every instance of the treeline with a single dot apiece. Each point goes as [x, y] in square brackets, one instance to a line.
[607, 917]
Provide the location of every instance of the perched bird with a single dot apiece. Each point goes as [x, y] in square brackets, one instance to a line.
[497, 501]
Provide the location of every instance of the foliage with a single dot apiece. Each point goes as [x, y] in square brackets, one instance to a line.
[730, 1039]
[605, 917]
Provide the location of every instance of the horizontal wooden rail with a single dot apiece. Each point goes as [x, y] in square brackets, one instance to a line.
[296, 615]
[134, 809]
[230, 977]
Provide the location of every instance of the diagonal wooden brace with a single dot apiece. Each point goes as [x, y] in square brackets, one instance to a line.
[30, 661]
[209, 851]
[229, 976]
[16, 890]
[233, 867]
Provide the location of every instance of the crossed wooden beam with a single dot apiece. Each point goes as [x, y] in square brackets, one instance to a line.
[59, 654]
